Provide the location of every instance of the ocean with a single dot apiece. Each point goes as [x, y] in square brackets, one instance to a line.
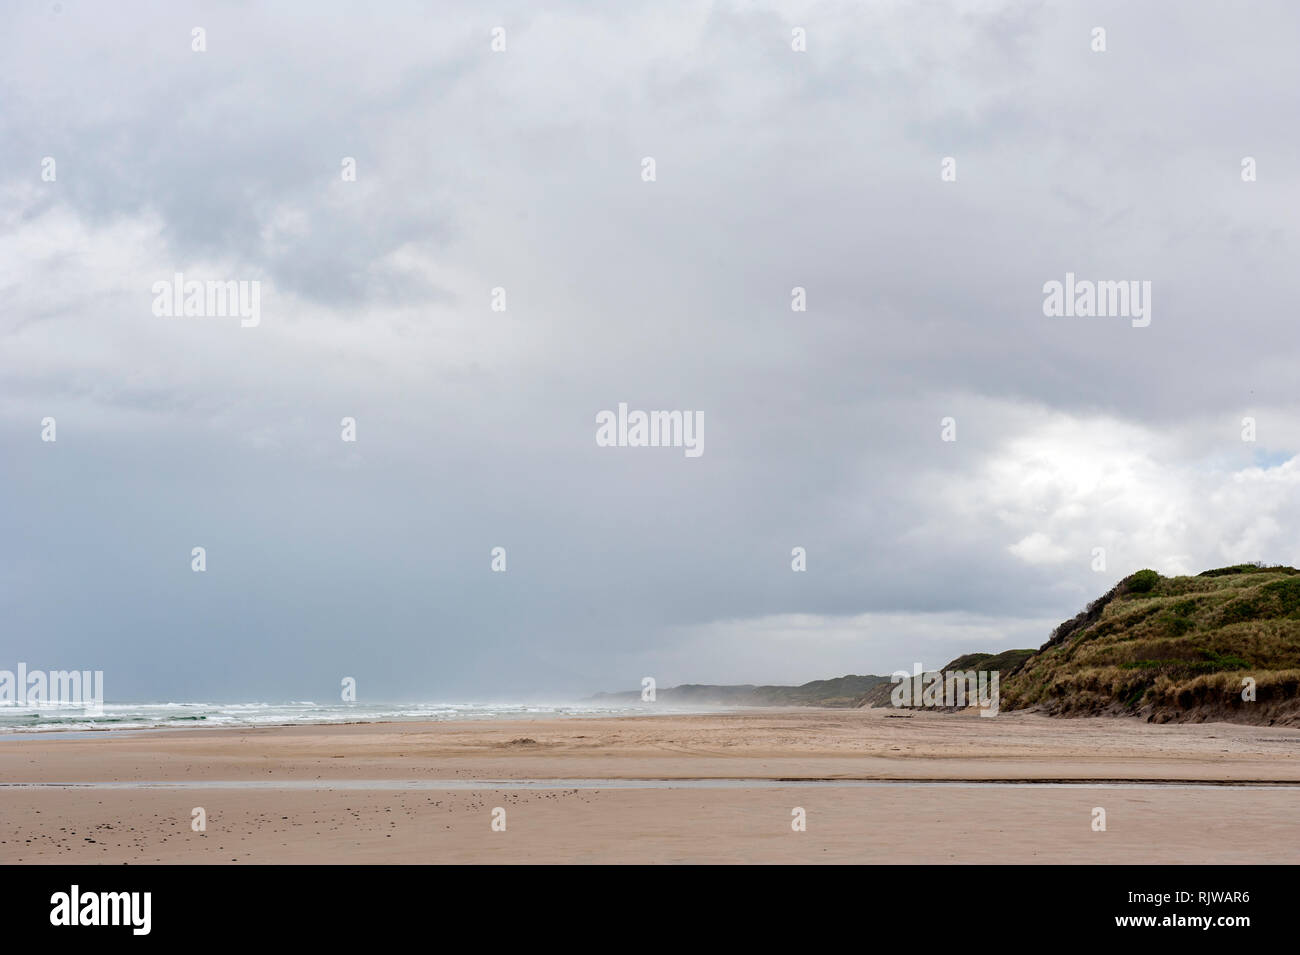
[34, 719]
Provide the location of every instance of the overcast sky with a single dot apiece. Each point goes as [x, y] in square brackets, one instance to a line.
[523, 170]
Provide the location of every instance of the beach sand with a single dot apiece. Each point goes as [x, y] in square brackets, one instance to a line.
[393, 792]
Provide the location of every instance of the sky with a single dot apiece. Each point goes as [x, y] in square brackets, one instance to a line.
[524, 169]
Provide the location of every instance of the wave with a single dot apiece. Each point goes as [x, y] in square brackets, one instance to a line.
[34, 719]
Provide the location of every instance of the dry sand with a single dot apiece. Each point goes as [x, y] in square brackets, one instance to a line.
[311, 794]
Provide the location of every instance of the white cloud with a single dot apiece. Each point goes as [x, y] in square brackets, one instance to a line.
[1064, 484]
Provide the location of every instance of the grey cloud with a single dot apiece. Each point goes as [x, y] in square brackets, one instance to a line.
[476, 428]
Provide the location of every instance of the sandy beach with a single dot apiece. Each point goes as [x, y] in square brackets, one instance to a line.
[875, 786]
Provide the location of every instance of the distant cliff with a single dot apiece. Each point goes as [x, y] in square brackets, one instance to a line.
[842, 691]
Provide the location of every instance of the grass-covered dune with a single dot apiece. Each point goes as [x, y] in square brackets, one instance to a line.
[1174, 649]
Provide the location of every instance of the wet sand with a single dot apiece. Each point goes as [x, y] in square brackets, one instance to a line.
[315, 795]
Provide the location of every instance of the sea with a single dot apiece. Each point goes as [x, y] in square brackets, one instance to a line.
[116, 716]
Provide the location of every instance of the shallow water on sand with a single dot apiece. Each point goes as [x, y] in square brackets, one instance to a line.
[721, 783]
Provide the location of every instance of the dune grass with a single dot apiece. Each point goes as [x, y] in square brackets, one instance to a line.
[1163, 644]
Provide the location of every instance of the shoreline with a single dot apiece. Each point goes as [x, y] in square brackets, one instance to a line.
[8, 733]
[199, 726]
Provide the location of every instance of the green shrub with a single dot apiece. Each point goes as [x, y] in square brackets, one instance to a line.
[1143, 582]
[1287, 592]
